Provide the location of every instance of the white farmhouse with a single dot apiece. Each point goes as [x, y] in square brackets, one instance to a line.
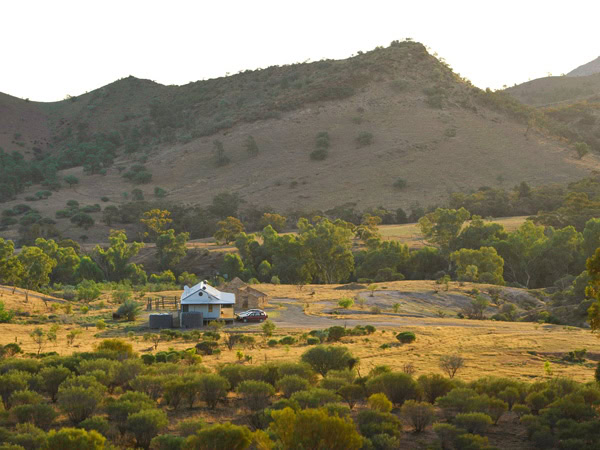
[208, 301]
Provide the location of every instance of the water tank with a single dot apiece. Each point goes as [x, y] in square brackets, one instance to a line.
[161, 321]
[191, 319]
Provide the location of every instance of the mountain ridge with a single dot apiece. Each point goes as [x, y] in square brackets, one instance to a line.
[425, 126]
[589, 68]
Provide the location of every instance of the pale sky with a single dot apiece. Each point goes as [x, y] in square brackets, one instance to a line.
[51, 48]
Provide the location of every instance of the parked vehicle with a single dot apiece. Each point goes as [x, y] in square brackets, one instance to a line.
[252, 315]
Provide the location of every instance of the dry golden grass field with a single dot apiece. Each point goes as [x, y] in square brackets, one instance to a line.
[410, 233]
[515, 349]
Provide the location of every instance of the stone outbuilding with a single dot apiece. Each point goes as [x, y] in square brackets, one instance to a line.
[246, 297]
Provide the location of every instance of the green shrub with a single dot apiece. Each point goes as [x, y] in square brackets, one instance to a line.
[406, 337]
[364, 138]
[273, 343]
[131, 402]
[42, 415]
[96, 423]
[290, 384]
[287, 340]
[335, 333]
[495, 409]
[74, 439]
[52, 377]
[312, 340]
[189, 427]
[458, 400]
[130, 310]
[5, 315]
[221, 436]
[352, 394]
[520, 410]
[420, 415]
[398, 387]
[380, 402]
[400, 183]
[24, 397]
[434, 386]
[319, 154]
[325, 358]
[346, 302]
[446, 433]
[337, 409]
[474, 422]
[314, 398]
[207, 347]
[82, 220]
[79, 402]
[88, 290]
[372, 423]
[148, 358]
[167, 442]
[12, 381]
[146, 424]
[256, 395]
[251, 146]
[213, 389]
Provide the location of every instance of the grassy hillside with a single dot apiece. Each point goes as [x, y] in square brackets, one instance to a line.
[392, 113]
[571, 102]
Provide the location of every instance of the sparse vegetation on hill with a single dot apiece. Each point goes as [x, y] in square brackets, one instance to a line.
[129, 127]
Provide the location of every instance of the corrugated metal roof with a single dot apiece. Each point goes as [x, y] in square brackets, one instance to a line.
[210, 295]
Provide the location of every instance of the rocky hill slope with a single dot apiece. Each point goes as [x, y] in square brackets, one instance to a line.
[590, 68]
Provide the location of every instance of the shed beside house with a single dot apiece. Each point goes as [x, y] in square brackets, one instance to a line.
[246, 297]
[208, 301]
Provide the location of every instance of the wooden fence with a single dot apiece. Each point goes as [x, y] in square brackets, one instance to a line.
[162, 302]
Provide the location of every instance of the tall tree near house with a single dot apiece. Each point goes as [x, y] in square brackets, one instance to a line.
[593, 291]
[330, 248]
[442, 226]
[37, 267]
[156, 221]
[11, 269]
[114, 260]
[171, 248]
[228, 230]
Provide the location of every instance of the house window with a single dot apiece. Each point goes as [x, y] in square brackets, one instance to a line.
[210, 308]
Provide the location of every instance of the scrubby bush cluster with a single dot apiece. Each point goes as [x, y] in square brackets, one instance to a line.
[112, 397]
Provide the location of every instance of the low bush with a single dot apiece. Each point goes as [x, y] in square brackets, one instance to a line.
[406, 337]
[475, 422]
[418, 414]
[364, 138]
[290, 384]
[287, 340]
[398, 387]
[312, 340]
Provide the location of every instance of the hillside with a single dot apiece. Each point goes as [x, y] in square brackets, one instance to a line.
[418, 121]
[586, 69]
[571, 102]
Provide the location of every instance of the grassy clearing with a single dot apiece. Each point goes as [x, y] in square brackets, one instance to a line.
[410, 233]
[514, 349]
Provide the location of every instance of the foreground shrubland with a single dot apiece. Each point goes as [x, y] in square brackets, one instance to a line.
[111, 398]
